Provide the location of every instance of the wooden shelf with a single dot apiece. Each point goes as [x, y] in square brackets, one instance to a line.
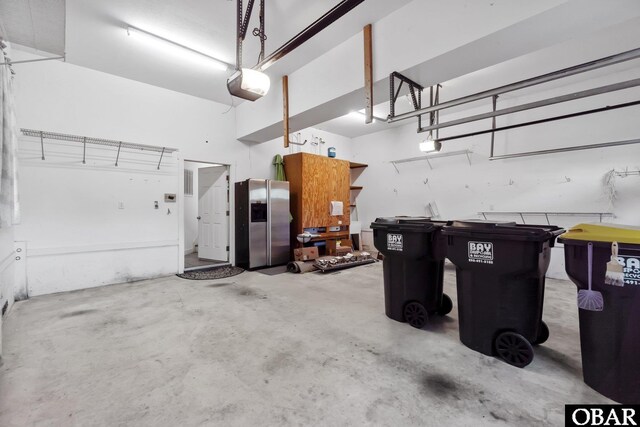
[356, 187]
[335, 235]
[355, 165]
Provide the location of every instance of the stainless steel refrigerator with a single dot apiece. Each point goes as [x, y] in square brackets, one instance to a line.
[262, 223]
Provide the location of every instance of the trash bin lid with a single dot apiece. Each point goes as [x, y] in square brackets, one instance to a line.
[501, 230]
[402, 219]
[481, 223]
[416, 223]
[604, 233]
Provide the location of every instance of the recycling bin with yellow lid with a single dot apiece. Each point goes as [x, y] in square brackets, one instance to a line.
[603, 260]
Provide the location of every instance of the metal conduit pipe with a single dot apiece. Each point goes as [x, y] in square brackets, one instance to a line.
[537, 104]
[536, 122]
[566, 149]
[566, 72]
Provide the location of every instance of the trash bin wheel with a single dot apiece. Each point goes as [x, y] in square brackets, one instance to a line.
[446, 306]
[543, 334]
[514, 349]
[415, 314]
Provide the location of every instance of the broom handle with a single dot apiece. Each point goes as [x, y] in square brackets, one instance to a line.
[590, 261]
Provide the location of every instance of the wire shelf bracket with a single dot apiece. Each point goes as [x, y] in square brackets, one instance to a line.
[84, 140]
[600, 215]
[430, 157]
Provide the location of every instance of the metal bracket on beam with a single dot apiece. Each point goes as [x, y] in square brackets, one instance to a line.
[245, 22]
[118, 156]
[161, 155]
[42, 144]
[493, 124]
[297, 142]
[394, 93]
[84, 150]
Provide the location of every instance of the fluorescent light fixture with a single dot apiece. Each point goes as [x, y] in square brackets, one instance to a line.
[358, 115]
[429, 145]
[248, 84]
[176, 49]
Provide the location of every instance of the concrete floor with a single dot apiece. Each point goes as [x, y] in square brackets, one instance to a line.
[192, 260]
[271, 350]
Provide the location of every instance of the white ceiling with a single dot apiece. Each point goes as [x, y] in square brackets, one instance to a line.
[38, 24]
[97, 39]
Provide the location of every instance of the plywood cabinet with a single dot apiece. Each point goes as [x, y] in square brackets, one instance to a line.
[315, 181]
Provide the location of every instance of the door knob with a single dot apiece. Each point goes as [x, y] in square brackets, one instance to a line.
[199, 217]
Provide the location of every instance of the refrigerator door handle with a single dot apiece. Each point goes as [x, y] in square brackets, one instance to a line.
[269, 205]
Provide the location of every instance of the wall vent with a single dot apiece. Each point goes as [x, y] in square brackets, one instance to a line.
[188, 183]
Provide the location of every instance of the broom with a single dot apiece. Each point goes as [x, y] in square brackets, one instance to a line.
[589, 299]
[615, 270]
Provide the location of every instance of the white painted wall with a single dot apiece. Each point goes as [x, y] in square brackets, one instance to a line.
[94, 224]
[65, 98]
[566, 182]
[261, 155]
[75, 234]
[84, 240]
[7, 257]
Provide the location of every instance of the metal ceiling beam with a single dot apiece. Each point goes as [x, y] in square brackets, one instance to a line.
[537, 104]
[537, 122]
[318, 25]
[27, 61]
[566, 149]
[559, 74]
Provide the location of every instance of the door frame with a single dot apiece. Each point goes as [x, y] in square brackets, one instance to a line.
[181, 206]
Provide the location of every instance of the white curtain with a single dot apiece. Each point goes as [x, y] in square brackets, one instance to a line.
[9, 207]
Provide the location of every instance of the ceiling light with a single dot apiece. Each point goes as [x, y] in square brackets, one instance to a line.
[248, 84]
[429, 145]
[176, 49]
[358, 115]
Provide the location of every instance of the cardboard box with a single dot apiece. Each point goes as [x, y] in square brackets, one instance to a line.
[305, 254]
[339, 247]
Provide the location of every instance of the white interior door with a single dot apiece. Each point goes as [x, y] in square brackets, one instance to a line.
[213, 222]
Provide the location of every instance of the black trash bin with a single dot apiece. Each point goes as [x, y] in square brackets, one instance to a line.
[610, 330]
[414, 253]
[500, 275]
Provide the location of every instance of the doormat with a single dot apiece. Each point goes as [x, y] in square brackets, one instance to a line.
[212, 273]
[273, 271]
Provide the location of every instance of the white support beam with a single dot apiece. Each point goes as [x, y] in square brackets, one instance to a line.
[322, 90]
